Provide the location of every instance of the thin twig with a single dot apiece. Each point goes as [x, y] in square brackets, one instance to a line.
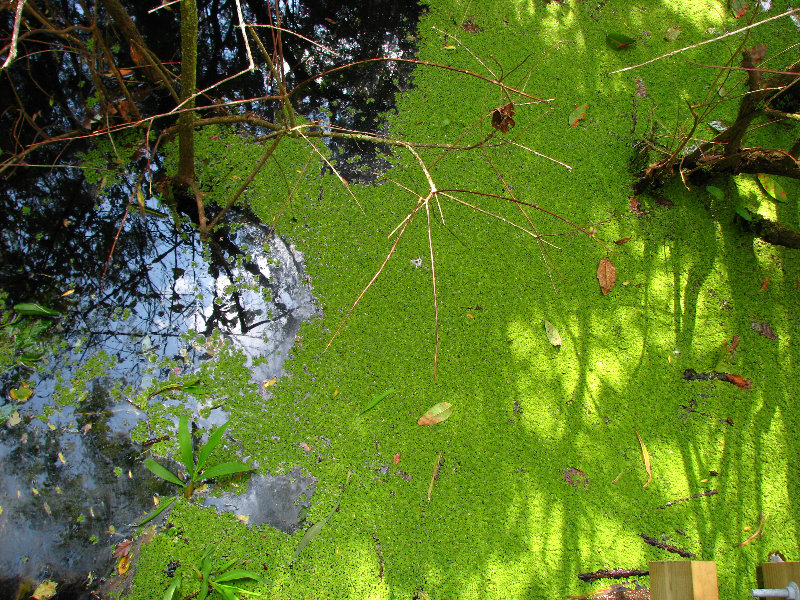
[12, 51]
[729, 34]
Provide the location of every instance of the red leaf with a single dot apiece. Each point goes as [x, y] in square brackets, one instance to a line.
[764, 283]
[739, 381]
[622, 241]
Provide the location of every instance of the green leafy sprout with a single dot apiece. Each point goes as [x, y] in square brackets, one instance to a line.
[216, 579]
[195, 465]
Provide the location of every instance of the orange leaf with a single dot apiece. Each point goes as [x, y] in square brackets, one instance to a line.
[606, 275]
[396, 458]
[622, 241]
[739, 381]
[764, 283]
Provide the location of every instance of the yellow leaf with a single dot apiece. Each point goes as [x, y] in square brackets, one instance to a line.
[335, 393]
[124, 564]
[271, 382]
[47, 509]
[61, 458]
[51, 426]
[35, 491]
[67, 293]
[646, 459]
[44, 591]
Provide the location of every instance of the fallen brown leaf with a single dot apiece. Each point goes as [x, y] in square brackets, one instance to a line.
[606, 275]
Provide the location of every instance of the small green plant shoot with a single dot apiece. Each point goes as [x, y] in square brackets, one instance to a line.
[215, 580]
[195, 466]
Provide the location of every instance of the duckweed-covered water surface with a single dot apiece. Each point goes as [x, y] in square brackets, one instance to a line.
[620, 445]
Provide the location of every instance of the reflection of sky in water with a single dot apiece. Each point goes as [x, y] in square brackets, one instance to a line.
[63, 487]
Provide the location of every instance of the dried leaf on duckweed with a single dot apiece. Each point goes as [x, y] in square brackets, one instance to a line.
[772, 187]
[396, 459]
[606, 275]
[122, 549]
[502, 117]
[45, 590]
[739, 8]
[764, 329]
[618, 41]
[576, 477]
[578, 114]
[436, 414]
[636, 206]
[646, 459]
[739, 381]
[622, 241]
[673, 33]
[552, 333]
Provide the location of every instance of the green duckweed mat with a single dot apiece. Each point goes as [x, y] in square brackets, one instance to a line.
[541, 473]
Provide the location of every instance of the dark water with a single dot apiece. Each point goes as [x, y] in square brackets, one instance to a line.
[161, 302]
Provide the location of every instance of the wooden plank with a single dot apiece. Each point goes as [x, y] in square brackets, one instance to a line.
[683, 580]
[777, 575]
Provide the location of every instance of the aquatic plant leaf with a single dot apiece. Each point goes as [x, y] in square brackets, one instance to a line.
[552, 333]
[314, 530]
[772, 187]
[374, 402]
[235, 574]
[673, 33]
[618, 41]
[606, 275]
[185, 443]
[578, 114]
[645, 459]
[716, 192]
[29, 309]
[161, 471]
[194, 387]
[226, 591]
[156, 512]
[227, 468]
[173, 587]
[436, 414]
[213, 441]
[743, 212]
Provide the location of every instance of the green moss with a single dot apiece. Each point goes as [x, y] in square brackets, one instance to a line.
[502, 521]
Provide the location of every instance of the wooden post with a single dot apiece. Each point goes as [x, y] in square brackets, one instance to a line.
[683, 580]
[778, 575]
